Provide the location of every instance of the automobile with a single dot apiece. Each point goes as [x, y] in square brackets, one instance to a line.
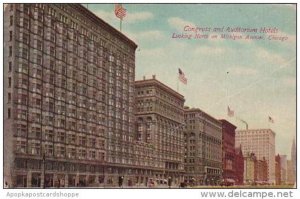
[183, 184]
[227, 183]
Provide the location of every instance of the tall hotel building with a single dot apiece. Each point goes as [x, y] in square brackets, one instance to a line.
[203, 147]
[68, 97]
[262, 143]
[160, 123]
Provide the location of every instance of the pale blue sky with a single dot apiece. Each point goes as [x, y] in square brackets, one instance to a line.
[262, 74]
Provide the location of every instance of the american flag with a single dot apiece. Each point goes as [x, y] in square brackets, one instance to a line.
[230, 113]
[181, 76]
[120, 12]
[271, 120]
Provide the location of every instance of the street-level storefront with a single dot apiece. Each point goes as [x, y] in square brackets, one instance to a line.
[65, 174]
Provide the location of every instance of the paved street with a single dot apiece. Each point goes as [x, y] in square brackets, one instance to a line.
[203, 187]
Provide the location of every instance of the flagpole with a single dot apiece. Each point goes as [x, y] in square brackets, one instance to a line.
[120, 24]
[177, 85]
[227, 92]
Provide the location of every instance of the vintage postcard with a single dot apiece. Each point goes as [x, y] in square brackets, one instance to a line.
[154, 96]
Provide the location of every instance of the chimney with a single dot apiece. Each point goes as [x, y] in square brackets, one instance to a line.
[153, 76]
[144, 77]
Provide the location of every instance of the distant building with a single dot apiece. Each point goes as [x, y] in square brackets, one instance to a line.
[291, 177]
[283, 166]
[228, 150]
[239, 166]
[249, 168]
[294, 156]
[262, 143]
[277, 170]
[261, 171]
[203, 147]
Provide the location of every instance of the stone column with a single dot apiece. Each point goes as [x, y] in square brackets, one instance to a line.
[29, 176]
[77, 179]
[66, 180]
[104, 174]
[55, 180]
[43, 176]
[87, 180]
[97, 178]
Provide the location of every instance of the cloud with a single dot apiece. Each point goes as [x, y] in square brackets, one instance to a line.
[179, 23]
[208, 50]
[154, 52]
[163, 55]
[138, 16]
[131, 17]
[274, 58]
[151, 34]
[145, 36]
[242, 71]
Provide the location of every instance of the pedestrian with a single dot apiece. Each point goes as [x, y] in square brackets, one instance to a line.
[121, 181]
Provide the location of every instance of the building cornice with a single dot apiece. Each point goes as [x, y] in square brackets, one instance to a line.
[252, 130]
[198, 110]
[155, 82]
[91, 16]
[225, 122]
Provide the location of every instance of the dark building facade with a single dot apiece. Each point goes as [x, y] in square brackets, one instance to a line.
[239, 166]
[277, 169]
[228, 151]
[203, 147]
[159, 128]
[261, 171]
[68, 95]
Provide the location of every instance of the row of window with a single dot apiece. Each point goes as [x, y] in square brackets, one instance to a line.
[72, 37]
[57, 13]
[58, 151]
[53, 165]
[49, 135]
[61, 123]
[83, 110]
[94, 101]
